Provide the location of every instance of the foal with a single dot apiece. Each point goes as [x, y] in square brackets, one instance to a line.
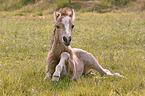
[64, 61]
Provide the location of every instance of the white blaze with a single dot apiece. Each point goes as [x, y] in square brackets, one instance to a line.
[65, 21]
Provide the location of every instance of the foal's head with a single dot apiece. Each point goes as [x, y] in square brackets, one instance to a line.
[64, 25]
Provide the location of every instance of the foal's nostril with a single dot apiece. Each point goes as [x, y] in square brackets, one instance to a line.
[64, 39]
[69, 38]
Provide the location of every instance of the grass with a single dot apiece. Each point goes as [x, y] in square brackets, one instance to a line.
[117, 40]
[44, 7]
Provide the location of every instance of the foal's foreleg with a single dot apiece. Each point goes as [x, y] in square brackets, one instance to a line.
[51, 64]
[50, 69]
[58, 69]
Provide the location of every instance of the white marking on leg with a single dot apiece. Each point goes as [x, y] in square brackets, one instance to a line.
[65, 21]
[59, 67]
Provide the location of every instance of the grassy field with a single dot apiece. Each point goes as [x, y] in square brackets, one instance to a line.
[117, 40]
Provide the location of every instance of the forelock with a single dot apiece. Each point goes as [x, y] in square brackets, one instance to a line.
[65, 20]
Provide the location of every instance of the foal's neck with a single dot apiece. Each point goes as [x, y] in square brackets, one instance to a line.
[58, 48]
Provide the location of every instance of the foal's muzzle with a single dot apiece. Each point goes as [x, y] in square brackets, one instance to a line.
[67, 40]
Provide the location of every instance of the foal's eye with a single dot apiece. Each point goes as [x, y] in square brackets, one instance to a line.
[57, 27]
[72, 26]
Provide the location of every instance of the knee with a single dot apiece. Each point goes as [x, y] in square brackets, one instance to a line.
[65, 55]
[58, 67]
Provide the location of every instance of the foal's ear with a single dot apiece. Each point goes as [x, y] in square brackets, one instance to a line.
[72, 14]
[56, 15]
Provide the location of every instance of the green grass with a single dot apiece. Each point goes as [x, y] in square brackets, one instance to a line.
[117, 40]
[44, 7]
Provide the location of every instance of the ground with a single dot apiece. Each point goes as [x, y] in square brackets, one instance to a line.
[117, 41]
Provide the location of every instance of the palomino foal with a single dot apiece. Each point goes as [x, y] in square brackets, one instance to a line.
[64, 61]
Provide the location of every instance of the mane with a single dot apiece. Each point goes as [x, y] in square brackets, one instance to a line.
[52, 39]
[65, 11]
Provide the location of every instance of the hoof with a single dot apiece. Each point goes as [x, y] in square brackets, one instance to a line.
[108, 73]
[46, 78]
[118, 75]
[55, 78]
[48, 75]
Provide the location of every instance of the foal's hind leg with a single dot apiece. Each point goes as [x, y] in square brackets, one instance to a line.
[58, 69]
[91, 63]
